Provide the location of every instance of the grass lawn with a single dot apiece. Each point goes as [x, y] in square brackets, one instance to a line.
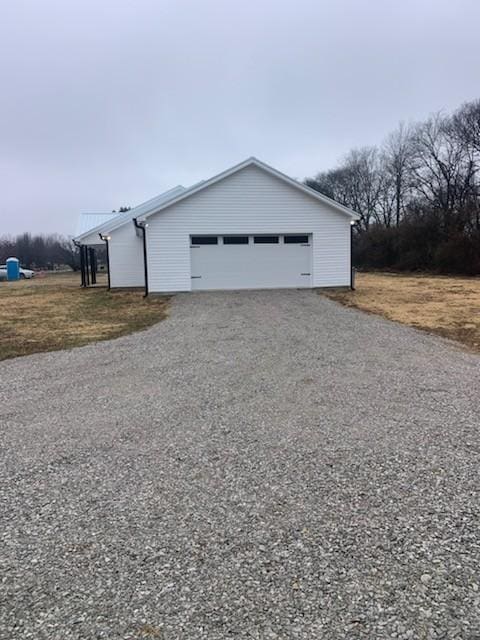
[448, 306]
[53, 312]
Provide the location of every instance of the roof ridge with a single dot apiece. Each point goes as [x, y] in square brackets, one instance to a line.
[261, 165]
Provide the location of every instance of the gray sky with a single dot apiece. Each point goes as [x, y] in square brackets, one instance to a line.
[110, 102]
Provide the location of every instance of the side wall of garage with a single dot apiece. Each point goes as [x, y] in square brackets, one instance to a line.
[126, 257]
[251, 201]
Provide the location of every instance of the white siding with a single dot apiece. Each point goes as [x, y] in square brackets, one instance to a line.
[92, 240]
[247, 202]
[126, 257]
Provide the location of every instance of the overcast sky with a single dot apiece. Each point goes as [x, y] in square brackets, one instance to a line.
[105, 103]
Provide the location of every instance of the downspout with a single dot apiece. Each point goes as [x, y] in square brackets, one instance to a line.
[93, 265]
[106, 239]
[87, 267]
[352, 270]
[82, 266]
[143, 227]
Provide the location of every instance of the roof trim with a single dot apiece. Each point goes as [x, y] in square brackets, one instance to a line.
[98, 229]
[119, 219]
[137, 211]
[91, 219]
[261, 165]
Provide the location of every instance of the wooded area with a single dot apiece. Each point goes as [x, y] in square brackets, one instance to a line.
[418, 195]
[39, 251]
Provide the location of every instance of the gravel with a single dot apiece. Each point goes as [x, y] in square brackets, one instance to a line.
[259, 465]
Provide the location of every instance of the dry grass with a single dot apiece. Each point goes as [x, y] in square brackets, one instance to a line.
[448, 306]
[45, 314]
[149, 631]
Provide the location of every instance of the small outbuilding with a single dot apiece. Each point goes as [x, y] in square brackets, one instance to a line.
[250, 227]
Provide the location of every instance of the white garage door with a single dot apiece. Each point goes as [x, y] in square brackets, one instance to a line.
[251, 262]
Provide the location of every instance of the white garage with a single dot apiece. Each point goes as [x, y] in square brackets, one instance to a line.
[251, 261]
[249, 227]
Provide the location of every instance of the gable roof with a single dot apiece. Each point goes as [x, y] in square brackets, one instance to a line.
[112, 221]
[172, 196]
[141, 209]
[88, 221]
[200, 186]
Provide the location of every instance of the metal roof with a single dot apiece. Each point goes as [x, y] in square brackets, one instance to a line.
[172, 196]
[140, 209]
[88, 221]
[111, 221]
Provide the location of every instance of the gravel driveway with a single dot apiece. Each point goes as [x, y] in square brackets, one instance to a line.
[260, 465]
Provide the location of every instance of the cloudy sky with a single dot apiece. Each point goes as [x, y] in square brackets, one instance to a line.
[110, 102]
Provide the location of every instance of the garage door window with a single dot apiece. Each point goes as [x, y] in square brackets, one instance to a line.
[197, 240]
[235, 239]
[265, 239]
[295, 239]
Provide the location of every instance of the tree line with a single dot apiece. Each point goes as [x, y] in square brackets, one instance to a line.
[46, 251]
[417, 194]
[40, 251]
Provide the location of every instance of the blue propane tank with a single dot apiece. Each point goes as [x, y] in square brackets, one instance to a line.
[13, 269]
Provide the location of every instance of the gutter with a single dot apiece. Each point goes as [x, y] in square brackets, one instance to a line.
[143, 226]
[106, 239]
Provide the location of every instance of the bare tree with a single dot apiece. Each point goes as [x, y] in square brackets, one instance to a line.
[356, 183]
[444, 168]
[466, 124]
[418, 196]
[397, 160]
[366, 184]
[335, 184]
[40, 252]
